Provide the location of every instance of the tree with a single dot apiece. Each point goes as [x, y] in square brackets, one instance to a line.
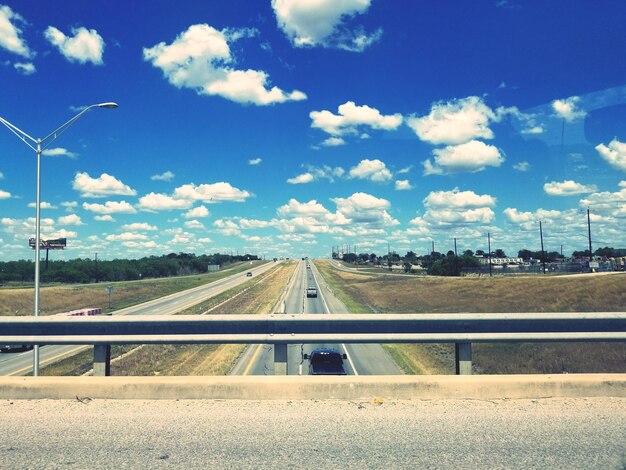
[468, 253]
[480, 253]
[499, 253]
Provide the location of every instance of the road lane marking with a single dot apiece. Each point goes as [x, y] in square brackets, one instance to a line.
[259, 347]
[48, 361]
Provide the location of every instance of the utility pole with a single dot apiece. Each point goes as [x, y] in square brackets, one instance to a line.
[456, 260]
[589, 231]
[543, 255]
[433, 242]
[96, 268]
[489, 251]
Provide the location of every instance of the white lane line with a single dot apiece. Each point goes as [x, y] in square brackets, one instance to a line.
[319, 291]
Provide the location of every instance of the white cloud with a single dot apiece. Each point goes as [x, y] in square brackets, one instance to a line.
[139, 226]
[614, 154]
[363, 208]
[59, 233]
[134, 244]
[211, 192]
[333, 142]
[71, 219]
[568, 188]
[294, 208]
[456, 208]
[69, 205]
[126, 236]
[301, 179]
[200, 58]
[196, 212]
[4, 194]
[455, 122]
[162, 202]
[85, 46]
[349, 119]
[612, 204]
[254, 161]
[374, 170]
[403, 185]
[167, 176]
[25, 68]
[1, 175]
[194, 225]
[405, 170]
[522, 166]
[104, 218]
[59, 152]
[470, 157]
[10, 34]
[322, 23]
[110, 207]
[568, 109]
[105, 185]
[43, 205]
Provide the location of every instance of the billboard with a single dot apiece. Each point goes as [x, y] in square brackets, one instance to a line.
[56, 244]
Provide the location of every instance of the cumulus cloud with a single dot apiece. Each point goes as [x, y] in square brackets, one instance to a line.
[110, 207]
[333, 142]
[196, 212]
[456, 208]
[294, 208]
[10, 33]
[42, 205]
[71, 219]
[350, 119]
[455, 122]
[214, 192]
[324, 23]
[126, 236]
[470, 157]
[254, 161]
[568, 188]
[86, 45]
[304, 178]
[167, 176]
[162, 202]
[373, 170]
[25, 68]
[139, 226]
[607, 203]
[194, 225]
[363, 208]
[105, 185]
[403, 185]
[614, 154]
[568, 109]
[200, 58]
[4, 194]
[521, 166]
[104, 218]
[59, 152]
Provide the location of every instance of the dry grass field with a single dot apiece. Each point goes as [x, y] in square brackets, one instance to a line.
[55, 299]
[387, 294]
[259, 296]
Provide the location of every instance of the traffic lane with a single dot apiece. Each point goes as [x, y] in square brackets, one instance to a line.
[112, 434]
[21, 363]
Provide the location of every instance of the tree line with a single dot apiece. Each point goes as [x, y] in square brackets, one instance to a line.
[85, 270]
[450, 264]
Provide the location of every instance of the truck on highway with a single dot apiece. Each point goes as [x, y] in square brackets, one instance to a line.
[326, 361]
[311, 292]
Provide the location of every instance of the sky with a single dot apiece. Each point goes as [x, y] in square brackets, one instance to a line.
[285, 127]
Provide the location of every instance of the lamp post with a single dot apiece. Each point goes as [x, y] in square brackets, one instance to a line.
[39, 146]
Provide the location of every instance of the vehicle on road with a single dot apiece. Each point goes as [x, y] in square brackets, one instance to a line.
[9, 348]
[326, 361]
[311, 292]
[249, 274]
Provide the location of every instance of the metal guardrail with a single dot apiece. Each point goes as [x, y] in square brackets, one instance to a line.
[282, 329]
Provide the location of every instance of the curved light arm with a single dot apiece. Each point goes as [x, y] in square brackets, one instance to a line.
[19, 133]
[58, 131]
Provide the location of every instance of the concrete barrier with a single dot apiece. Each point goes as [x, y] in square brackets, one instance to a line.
[483, 387]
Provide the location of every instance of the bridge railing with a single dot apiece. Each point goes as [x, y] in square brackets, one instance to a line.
[284, 329]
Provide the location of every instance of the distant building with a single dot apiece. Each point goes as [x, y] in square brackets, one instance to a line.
[501, 261]
[211, 268]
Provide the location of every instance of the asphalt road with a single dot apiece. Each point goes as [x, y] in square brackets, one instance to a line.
[362, 359]
[22, 363]
[198, 434]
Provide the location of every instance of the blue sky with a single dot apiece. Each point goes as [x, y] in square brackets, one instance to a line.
[286, 127]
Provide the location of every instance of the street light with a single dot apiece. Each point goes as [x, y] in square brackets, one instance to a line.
[40, 145]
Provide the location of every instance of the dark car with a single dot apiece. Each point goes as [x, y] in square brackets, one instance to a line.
[311, 292]
[8, 348]
[326, 361]
[249, 274]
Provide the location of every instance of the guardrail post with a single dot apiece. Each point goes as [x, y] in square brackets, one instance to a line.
[463, 358]
[102, 360]
[280, 359]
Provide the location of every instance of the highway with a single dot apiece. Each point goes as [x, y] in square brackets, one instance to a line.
[22, 363]
[362, 359]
